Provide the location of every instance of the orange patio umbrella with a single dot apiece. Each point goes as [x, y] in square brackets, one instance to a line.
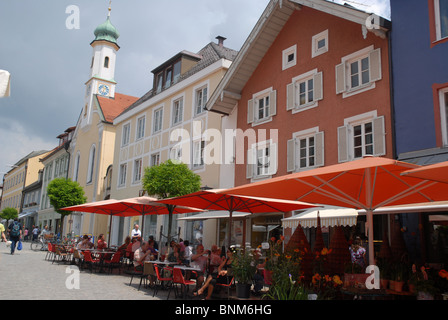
[367, 183]
[219, 199]
[435, 172]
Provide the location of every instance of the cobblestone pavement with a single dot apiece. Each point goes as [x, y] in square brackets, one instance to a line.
[26, 275]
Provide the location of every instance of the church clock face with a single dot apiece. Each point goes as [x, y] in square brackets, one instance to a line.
[103, 89]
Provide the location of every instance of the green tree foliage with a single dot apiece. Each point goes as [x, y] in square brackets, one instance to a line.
[8, 214]
[170, 179]
[63, 193]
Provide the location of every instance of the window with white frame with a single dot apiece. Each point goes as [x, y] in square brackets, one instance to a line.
[141, 121]
[138, 164]
[305, 150]
[157, 120]
[122, 175]
[358, 71]
[304, 91]
[262, 107]
[443, 102]
[176, 153]
[178, 111]
[319, 44]
[289, 57]
[441, 15]
[200, 100]
[360, 136]
[155, 159]
[198, 154]
[261, 160]
[126, 133]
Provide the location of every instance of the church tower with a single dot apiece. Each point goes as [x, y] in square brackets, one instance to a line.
[102, 69]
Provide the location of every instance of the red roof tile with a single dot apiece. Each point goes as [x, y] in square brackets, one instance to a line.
[111, 108]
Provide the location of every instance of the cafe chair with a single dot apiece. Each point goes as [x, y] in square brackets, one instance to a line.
[61, 255]
[51, 251]
[148, 271]
[77, 258]
[136, 271]
[163, 282]
[228, 286]
[178, 279]
[90, 261]
[115, 262]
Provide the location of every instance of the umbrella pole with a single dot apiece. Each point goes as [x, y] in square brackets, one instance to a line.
[229, 233]
[110, 228]
[370, 236]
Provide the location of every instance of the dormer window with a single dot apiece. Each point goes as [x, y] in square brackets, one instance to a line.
[106, 62]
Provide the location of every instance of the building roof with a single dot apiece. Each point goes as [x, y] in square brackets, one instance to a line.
[208, 55]
[112, 107]
[266, 30]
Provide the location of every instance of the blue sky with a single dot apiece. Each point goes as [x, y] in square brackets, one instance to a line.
[49, 63]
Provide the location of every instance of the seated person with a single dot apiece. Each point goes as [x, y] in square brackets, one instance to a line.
[85, 243]
[102, 244]
[142, 254]
[220, 276]
[136, 243]
[153, 250]
[176, 255]
[200, 260]
[215, 258]
[124, 246]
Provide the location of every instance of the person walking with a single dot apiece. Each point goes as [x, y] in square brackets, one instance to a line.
[15, 233]
[2, 232]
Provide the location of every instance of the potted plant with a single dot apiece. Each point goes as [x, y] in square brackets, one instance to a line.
[423, 282]
[398, 276]
[243, 268]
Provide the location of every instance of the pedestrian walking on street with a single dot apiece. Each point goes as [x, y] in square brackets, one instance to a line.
[2, 232]
[15, 234]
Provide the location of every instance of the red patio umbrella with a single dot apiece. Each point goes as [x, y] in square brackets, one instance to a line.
[219, 199]
[367, 183]
[435, 172]
[129, 208]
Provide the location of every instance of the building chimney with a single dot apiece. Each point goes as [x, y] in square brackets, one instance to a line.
[220, 41]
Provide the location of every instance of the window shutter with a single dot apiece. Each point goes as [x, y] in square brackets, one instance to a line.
[340, 78]
[250, 164]
[290, 96]
[250, 111]
[379, 139]
[319, 149]
[273, 103]
[318, 86]
[375, 65]
[343, 144]
[273, 158]
[291, 155]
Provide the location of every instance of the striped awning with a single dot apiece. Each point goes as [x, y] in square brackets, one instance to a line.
[329, 217]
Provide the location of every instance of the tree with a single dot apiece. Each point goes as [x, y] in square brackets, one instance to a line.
[8, 214]
[170, 179]
[63, 193]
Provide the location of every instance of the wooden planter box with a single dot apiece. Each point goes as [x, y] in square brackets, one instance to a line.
[355, 280]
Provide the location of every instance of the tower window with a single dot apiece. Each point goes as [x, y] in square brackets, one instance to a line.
[106, 62]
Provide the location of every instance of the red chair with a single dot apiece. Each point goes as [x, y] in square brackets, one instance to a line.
[114, 262]
[92, 262]
[51, 251]
[227, 286]
[178, 279]
[164, 282]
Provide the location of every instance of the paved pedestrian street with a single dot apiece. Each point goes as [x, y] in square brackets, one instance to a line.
[26, 275]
